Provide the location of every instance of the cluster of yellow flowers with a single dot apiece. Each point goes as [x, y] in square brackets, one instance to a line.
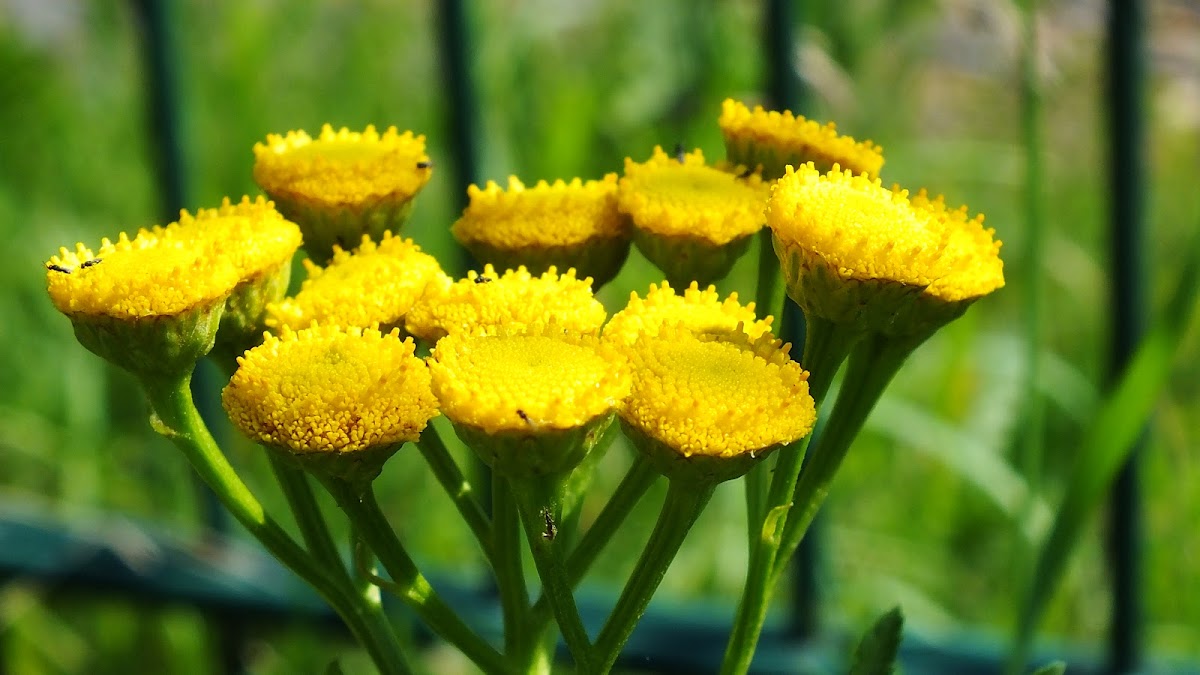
[530, 351]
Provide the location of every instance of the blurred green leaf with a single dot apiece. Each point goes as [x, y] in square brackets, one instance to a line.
[1121, 418]
[876, 653]
[1056, 668]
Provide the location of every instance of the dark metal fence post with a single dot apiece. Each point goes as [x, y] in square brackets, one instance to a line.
[163, 114]
[784, 92]
[1126, 53]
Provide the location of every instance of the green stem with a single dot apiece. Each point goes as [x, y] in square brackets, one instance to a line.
[637, 480]
[684, 502]
[313, 528]
[540, 504]
[414, 589]
[873, 364]
[768, 301]
[448, 473]
[510, 575]
[826, 346]
[176, 418]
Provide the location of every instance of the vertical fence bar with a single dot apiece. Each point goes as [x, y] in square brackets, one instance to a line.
[783, 91]
[163, 114]
[1126, 65]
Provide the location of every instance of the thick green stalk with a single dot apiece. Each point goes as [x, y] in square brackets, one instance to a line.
[768, 301]
[637, 480]
[510, 575]
[176, 417]
[448, 473]
[313, 528]
[414, 589]
[873, 364]
[539, 503]
[684, 502]
[825, 348]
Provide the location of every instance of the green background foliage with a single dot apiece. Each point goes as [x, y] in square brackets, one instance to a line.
[928, 513]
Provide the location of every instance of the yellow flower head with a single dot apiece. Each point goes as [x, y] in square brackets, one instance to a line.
[532, 403]
[342, 184]
[375, 285]
[331, 391]
[544, 380]
[574, 224]
[695, 310]
[259, 243]
[515, 300]
[856, 252]
[692, 220]
[700, 398]
[776, 139]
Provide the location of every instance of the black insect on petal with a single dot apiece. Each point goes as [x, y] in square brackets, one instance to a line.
[524, 416]
[482, 279]
[59, 268]
[746, 173]
[424, 164]
[88, 263]
[680, 153]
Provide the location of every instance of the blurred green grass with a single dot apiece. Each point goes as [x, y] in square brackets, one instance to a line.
[566, 92]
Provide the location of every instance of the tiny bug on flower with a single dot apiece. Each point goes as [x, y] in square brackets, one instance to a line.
[424, 165]
[59, 268]
[524, 416]
[88, 263]
[482, 280]
[680, 153]
[747, 173]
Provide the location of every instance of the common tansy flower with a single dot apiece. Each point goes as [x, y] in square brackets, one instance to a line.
[716, 398]
[374, 285]
[331, 390]
[774, 140]
[514, 300]
[567, 224]
[700, 311]
[856, 252]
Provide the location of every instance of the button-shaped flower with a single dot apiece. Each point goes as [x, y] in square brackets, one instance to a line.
[533, 403]
[341, 401]
[691, 220]
[342, 184]
[774, 140]
[514, 301]
[373, 286]
[260, 244]
[575, 224]
[152, 304]
[858, 254]
[699, 311]
[707, 408]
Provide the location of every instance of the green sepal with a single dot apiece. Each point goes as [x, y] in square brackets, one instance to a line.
[696, 469]
[324, 226]
[685, 259]
[877, 651]
[535, 453]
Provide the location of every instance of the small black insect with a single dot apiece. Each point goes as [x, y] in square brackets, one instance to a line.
[746, 173]
[680, 153]
[88, 263]
[425, 165]
[551, 530]
[524, 416]
[59, 268]
[483, 280]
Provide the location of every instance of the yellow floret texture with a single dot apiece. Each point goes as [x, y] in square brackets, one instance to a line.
[868, 232]
[699, 311]
[375, 285]
[343, 167]
[250, 235]
[795, 140]
[326, 389]
[717, 398]
[527, 383]
[545, 215]
[672, 198]
[515, 300]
